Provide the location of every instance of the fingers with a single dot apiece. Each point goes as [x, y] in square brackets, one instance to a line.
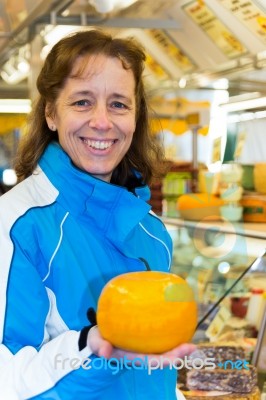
[119, 353]
[98, 345]
[181, 351]
[177, 353]
[103, 348]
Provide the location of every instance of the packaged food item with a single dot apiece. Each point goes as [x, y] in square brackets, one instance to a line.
[231, 173]
[224, 380]
[231, 192]
[231, 212]
[248, 177]
[239, 305]
[254, 208]
[208, 182]
[255, 307]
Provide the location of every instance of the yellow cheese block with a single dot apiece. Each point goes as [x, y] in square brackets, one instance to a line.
[197, 206]
[260, 177]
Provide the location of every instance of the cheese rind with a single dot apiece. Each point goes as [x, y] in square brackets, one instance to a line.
[199, 395]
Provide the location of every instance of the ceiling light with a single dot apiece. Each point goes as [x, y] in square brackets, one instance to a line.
[260, 114]
[123, 3]
[53, 34]
[15, 106]
[246, 101]
[14, 78]
[15, 70]
[107, 6]
[224, 267]
[250, 116]
[203, 81]
[9, 177]
[221, 84]
[243, 97]
[182, 83]
[245, 104]
[103, 6]
[23, 66]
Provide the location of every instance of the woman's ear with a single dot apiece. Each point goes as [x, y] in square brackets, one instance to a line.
[49, 119]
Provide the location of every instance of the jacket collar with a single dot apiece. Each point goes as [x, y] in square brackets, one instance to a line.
[111, 208]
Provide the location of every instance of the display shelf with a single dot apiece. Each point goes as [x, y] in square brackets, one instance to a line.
[250, 229]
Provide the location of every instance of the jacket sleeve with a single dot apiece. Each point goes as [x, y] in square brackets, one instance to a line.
[34, 361]
[30, 372]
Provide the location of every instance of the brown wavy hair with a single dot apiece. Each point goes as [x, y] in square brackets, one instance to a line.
[144, 154]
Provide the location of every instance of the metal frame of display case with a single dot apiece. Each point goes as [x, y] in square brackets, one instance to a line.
[259, 355]
[253, 265]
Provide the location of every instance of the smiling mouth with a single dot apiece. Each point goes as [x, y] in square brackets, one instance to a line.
[99, 144]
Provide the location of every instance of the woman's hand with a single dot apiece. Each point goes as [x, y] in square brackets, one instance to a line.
[103, 348]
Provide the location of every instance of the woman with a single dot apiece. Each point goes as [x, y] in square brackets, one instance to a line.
[79, 217]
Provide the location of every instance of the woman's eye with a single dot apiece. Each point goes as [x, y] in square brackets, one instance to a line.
[118, 104]
[81, 103]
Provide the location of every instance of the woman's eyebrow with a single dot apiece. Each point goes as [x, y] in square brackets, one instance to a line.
[80, 93]
[120, 96]
[117, 96]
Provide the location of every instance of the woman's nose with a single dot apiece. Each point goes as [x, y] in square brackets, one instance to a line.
[100, 118]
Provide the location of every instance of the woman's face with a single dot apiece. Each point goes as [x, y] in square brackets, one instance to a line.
[95, 115]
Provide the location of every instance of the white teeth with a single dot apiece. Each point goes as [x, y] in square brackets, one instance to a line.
[97, 144]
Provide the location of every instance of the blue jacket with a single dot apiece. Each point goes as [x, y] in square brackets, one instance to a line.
[63, 235]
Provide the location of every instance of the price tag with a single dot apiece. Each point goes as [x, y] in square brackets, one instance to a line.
[241, 138]
[204, 17]
[168, 45]
[253, 17]
[216, 150]
[218, 323]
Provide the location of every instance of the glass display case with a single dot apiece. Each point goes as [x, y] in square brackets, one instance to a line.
[219, 260]
[224, 262]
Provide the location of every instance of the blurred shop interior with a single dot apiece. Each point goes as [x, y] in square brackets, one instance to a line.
[206, 80]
